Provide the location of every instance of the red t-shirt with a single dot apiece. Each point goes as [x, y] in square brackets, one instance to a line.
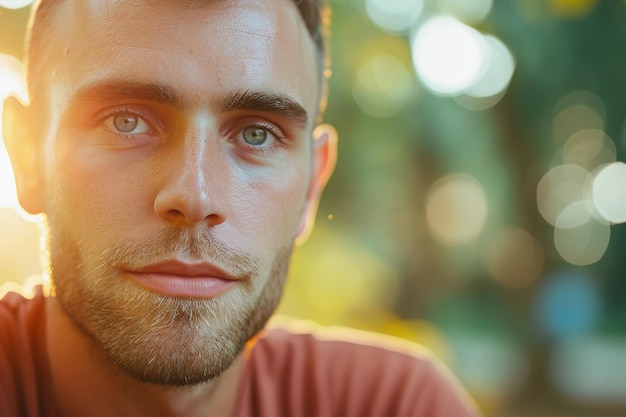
[291, 373]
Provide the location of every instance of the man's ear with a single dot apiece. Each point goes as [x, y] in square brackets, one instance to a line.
[324, 160]
[22, 144]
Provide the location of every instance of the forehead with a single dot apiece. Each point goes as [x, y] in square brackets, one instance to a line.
[199, 49]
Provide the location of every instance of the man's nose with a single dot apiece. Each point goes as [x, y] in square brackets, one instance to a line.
[192, 183]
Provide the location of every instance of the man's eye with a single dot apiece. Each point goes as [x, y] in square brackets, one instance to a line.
[255, 135]
[127, 123]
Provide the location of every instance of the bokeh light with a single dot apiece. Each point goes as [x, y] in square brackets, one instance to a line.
[500, 66]
[589, 148]
[456, 209]
[580, 243]
[591, 369]
[453, 59]
[560, 187]
[383, 85]
[572, 8]
[449, 56]
[568, 303]
[576, 111]
[507, 368]
[395, 16]
[469, 11]
[15, 4]
[515, 258]
[609, 192]
[338, 278]
[489, 89]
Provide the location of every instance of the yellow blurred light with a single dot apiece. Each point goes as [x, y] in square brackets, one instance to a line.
[583, 244]
[589, 148]
[559, 188]
[383, 85]
[396, 16]
[515, 259]
[419, 331]
[332, 278]
[15, 4]
[456, 209]
[470, 11]
[8, 195]
[609, 192]
[572, 8]
[449, 56]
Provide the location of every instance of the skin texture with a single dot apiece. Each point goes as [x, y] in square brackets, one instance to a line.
[144, 159]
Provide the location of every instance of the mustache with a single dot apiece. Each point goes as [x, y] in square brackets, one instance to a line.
[188, 245]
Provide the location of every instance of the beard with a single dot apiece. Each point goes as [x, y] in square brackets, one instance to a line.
[162, 339]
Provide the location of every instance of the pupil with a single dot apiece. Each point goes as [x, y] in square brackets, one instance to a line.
[255, 135]
[125, 123]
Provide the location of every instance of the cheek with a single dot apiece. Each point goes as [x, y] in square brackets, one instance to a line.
[271, 204]
[93, 195]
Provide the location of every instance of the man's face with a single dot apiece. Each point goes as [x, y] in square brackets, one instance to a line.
[176, 171]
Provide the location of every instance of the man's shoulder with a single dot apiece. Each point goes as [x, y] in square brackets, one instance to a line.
[21, 333]
[19, 306]
[337, 342]
[359, 372]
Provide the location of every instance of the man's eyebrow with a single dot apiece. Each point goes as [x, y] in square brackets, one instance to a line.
[105, 91]
[113, 90]
[276, 104]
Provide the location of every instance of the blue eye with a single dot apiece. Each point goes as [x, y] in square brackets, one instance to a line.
[255, 135]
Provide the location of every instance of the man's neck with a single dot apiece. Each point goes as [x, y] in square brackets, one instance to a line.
[86, 383]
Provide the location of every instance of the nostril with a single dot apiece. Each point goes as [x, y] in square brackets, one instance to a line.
[186, 212]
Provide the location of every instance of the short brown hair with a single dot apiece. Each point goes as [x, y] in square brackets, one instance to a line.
[314, 13]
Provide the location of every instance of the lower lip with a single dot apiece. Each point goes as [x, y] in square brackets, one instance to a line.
[182, 286]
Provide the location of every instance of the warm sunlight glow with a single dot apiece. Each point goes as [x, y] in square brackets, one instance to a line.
[10, 83]
[7, 184]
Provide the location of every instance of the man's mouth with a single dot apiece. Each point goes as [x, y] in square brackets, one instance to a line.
[180, 279]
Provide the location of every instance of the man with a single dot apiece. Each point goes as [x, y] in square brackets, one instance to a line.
[173, 148]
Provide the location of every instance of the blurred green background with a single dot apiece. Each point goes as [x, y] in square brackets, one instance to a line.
[478, 200]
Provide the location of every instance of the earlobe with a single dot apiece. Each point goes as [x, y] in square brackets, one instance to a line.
[324, 160]
[22, 146]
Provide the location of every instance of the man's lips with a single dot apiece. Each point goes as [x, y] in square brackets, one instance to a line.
[185, 280]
